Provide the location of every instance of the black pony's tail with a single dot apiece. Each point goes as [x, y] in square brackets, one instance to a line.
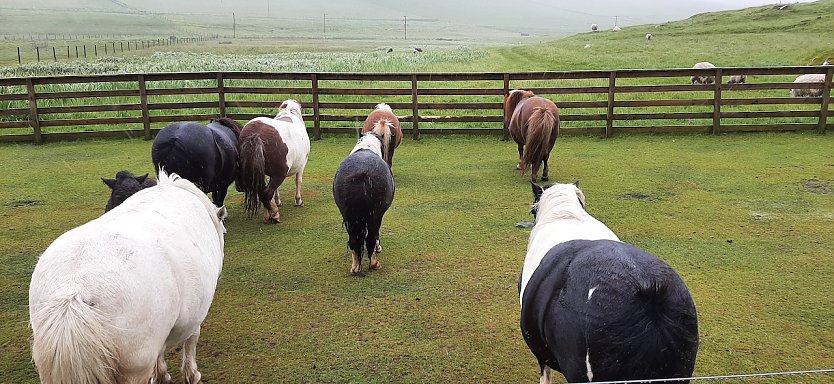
[251, 173]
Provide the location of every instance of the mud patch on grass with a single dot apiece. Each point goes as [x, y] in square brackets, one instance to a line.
[818, 186]
[25, 203]
[639, 196]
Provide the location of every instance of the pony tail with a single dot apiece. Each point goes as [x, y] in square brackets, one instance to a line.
[251, 173]
[382, 128]
[72, 343]
[540, 127]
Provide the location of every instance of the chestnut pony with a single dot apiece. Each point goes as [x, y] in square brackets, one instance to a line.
[277, 148]
[534, 125]
[383, 112]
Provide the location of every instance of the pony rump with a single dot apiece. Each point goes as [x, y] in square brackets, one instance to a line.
[251, 173]
[174, 179]
[541, 125]
[74, 346]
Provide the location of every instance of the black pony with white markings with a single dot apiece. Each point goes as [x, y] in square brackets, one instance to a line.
[205, 155]
[595, 308]
[364, 189]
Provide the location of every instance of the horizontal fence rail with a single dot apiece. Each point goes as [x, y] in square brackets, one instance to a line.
[605, 102]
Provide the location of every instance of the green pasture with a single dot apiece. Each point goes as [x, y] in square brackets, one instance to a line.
[746, 219]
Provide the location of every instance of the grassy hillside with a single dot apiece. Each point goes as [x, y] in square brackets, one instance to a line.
[762, 36]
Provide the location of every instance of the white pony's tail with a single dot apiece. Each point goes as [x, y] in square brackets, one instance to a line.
[72, 344]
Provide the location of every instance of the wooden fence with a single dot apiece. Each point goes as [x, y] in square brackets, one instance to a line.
[591, 102]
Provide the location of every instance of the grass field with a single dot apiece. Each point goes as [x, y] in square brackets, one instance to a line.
[747, 220]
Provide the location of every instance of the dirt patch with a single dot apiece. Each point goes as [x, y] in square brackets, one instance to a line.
[822, 187]
[639, 196]
[25, 203]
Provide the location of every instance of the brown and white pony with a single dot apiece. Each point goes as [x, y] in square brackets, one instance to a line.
[383, 112]
[534, 125]
[277, 148]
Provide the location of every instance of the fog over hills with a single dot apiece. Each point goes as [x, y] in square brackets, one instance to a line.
[486, 18]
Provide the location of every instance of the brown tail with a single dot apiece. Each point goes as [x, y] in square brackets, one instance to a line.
[540, 126]
[251, 172]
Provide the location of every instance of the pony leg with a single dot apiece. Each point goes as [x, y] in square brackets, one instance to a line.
[545, 175]
[356, 264]
[372, 244]
[545, 378]
[189, 359]
[298, 201]
[268, 197]
[520, 155]
[160, 375]
[219, 196]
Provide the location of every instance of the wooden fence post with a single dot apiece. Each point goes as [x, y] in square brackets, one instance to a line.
[609, 117]
[34, 119]
[143, 100]
[716, 103]
[826, 99]
[314, 85]
[415, 113]
[506, 135]
[221, 95]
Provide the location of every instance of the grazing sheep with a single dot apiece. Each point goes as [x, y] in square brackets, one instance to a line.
[594, 27]
[737, 79]
[649, 36]
[616, 29]
[703, 79]
[808, 78]
[587, 45]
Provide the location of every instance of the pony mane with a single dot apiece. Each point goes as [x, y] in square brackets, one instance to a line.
[377, 139]
[383, 107]
[230, 123]
[289, 106]
[512, 100]
[560, 201]
[173, 179]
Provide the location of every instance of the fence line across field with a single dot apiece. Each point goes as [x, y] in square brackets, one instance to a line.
[725, 377]
[601, 102]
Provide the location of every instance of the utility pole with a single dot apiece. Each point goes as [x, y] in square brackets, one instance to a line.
[267, 8]
[234, 29]
[324, 24]
[405, 27]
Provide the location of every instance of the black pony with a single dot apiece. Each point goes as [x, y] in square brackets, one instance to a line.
[205, 155]
[364, 189]
[595, 308]
[124, 186]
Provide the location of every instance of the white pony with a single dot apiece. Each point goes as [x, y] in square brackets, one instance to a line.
[277, 148]
[108, 298]
[560, 217]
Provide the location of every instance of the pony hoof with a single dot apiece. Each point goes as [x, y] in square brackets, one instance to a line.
[272, 220]
[299, 203]
[356, 272]
[545, 178]
[376, 266]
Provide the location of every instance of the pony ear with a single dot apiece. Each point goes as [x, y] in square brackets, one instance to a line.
[222, 213]
[576, 183]
[109, 182]
[141, 179]
[537, 191]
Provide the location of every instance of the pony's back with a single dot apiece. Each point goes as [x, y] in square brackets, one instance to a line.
[618, 313]
[108, 294]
